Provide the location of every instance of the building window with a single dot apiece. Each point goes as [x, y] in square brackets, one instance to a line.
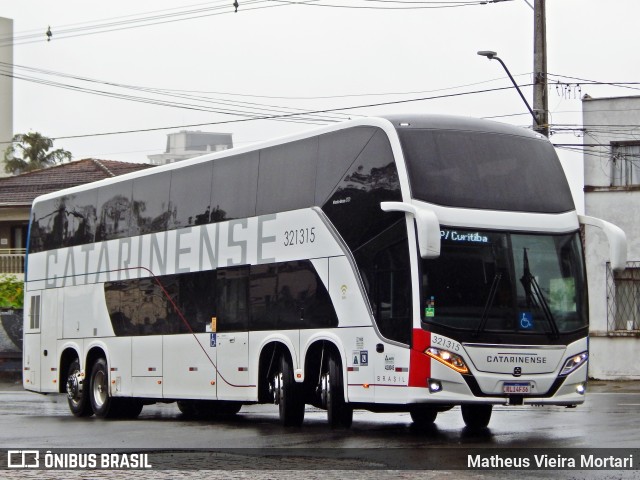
[625, 163]
[623, 298]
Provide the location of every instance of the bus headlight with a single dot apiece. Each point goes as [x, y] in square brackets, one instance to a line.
[573, 363]
[451, 360]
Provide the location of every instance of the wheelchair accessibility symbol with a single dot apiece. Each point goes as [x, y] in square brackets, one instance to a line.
[526, 321]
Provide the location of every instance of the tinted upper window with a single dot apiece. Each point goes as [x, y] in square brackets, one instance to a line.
[233, 191]
[371, 178]
[485, 170]
[114, 211]
[336, 153]
[190, 198]
[287, 176]
[63, 222]
[150, 208]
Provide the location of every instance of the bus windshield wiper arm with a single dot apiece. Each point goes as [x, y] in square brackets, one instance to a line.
[492, 295]
[530, 285]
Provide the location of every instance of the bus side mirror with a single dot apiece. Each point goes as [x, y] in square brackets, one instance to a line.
[427, 225]
[617, 241]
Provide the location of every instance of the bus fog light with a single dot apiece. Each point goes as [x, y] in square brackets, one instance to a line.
[581, 388]
[435, 386]
[574, 362]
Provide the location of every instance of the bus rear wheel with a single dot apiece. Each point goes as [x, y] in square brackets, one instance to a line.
[102, 403]
[339, 412]
[286, 393]
[77, 391]
[476, 416]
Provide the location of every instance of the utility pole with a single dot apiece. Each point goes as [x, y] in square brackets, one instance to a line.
[540, 92]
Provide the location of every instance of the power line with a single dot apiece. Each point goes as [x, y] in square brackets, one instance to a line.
[137, 23]
[187, 93]
[347, 95]
[157, 17]
[210, 105]
[314, 112]
[409, 5]
[596, 82]
[283, 116]
[38, 32]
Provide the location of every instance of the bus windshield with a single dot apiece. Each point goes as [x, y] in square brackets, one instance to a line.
[485, 171]
[505, 282]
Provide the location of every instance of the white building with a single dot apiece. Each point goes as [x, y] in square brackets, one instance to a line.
[185, 144]
[612, 192]
[6, 91]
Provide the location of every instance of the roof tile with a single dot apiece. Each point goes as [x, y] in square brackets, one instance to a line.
[22, 189]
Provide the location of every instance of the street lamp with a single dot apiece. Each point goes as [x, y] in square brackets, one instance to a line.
[494, 56]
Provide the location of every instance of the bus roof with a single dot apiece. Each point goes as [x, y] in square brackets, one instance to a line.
[387, 122]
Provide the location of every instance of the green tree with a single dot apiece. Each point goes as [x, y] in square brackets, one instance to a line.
[30, 151]
[11, 291]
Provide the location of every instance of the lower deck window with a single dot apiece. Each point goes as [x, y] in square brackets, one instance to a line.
[280, 296]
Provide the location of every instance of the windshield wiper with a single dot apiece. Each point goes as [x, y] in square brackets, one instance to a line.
[489, 303]
[532, 290]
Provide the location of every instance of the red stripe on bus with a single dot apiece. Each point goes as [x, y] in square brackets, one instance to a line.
[420, 364]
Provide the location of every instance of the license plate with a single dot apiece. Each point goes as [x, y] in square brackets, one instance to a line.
[516, 388]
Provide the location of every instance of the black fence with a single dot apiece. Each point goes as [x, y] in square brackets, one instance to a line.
[10, 341]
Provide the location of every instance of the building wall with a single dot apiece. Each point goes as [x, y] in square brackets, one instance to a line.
[6, 93]
[614, 354]
[186, 144]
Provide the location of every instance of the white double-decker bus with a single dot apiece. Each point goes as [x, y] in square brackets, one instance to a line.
[405, 263]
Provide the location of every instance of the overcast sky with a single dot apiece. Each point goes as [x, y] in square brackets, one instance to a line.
[275, 56]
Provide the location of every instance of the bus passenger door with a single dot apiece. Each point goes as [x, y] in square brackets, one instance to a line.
[232, 336]
[31, 348]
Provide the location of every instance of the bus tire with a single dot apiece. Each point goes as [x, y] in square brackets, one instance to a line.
[103, 405]
[227, 409]
[423, 415]
[78, 391]
[128, 407]
[476, 416]
[287, 394]
[339, 412]
[208, 408]
[188, 408]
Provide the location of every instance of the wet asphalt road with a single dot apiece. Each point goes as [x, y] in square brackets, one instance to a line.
[608, 419]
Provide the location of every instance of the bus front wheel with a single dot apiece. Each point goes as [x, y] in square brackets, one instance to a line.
[476, 416]
[423, 415]
[77, 391]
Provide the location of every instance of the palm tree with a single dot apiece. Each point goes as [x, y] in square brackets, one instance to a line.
[35, 153]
